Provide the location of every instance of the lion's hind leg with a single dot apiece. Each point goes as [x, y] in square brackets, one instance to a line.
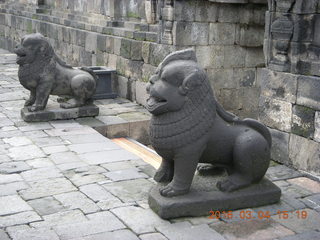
[251, 157]
[83, 87]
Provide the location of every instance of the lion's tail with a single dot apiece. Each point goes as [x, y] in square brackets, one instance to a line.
[231, 118]
[90, 71]
[261, 128]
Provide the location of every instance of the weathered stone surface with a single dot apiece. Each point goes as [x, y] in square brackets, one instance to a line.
[41, 173]
[13, 204]
[98, 223]
[77, 200]
[313, 202]
[13, 167]
[185, 231]
[99, 157]
[8, 178]
[252, 230]
[233, 56]
[125, 174]
[281, 172]
[317, 127]
[138, 219]
[280, 146]
[206, 12]
[3, 235]
[282, 86]
[60, 218]
[25, 152]
[19, 218]
[132, 190]
[17, 141]
[46, 206]
[275, 113]
[12, 188]
[55, 149]
[44, 234]
[190, 33]
[307, 183]
[303, 236]
[59, 113]
[304, 153]
[299, 224]
[93, 147]
[308, 94]
[251, 36]
[210, 56]
[68, 157]
[303, 121]
[96, 192]
[121, 234]
[204, 197]
[222, 33]
[47, 187]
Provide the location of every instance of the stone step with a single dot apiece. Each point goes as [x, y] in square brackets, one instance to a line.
[120, 118]
[131, 30]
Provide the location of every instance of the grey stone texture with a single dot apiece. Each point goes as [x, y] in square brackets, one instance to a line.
[290, 83]
[115, 34]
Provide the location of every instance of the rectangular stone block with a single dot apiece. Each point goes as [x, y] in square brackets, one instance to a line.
[206, 12]
[234, 56]
[91, 42]
[251, 36]
[280, 146]
[101, 42]
[222, 33]
[275, 113]
[317, 127]
[308, 92]
[136, 50]
[190, 33]
[304, 154]
[278, 85]
[184, 11]
[211, 56]
[125, 50]
[303, 121]
[254, 57]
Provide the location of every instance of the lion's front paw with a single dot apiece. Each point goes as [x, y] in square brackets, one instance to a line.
[170, 191]
[164, 175]
[35, 108]
[28, 103]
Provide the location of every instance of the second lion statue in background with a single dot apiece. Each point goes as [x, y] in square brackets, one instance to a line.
[189, 126]
[43, 73]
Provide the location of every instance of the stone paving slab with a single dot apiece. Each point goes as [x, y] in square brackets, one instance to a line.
[65, 180]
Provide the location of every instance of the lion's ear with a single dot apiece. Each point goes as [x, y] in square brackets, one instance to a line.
[190, 83]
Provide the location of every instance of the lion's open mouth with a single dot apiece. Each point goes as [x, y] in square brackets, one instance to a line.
[154, 102]
[20, 56]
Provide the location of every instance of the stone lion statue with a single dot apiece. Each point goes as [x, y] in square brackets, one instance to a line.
[188, 126]
[43, 73]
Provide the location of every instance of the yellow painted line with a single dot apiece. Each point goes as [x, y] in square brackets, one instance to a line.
[143, 153]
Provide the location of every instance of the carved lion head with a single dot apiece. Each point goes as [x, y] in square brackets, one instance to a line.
[176, 79]
[33, 47]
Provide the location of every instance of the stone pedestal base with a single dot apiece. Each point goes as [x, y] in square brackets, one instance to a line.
[204, 197]
[50, 114]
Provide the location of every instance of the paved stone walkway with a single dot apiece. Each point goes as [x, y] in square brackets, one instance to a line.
[63, 180]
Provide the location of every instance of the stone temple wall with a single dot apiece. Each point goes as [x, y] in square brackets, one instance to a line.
[133, 36]
[290, 85]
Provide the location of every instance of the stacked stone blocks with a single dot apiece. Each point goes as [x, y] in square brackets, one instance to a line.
[228, 44]
[290, 85]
